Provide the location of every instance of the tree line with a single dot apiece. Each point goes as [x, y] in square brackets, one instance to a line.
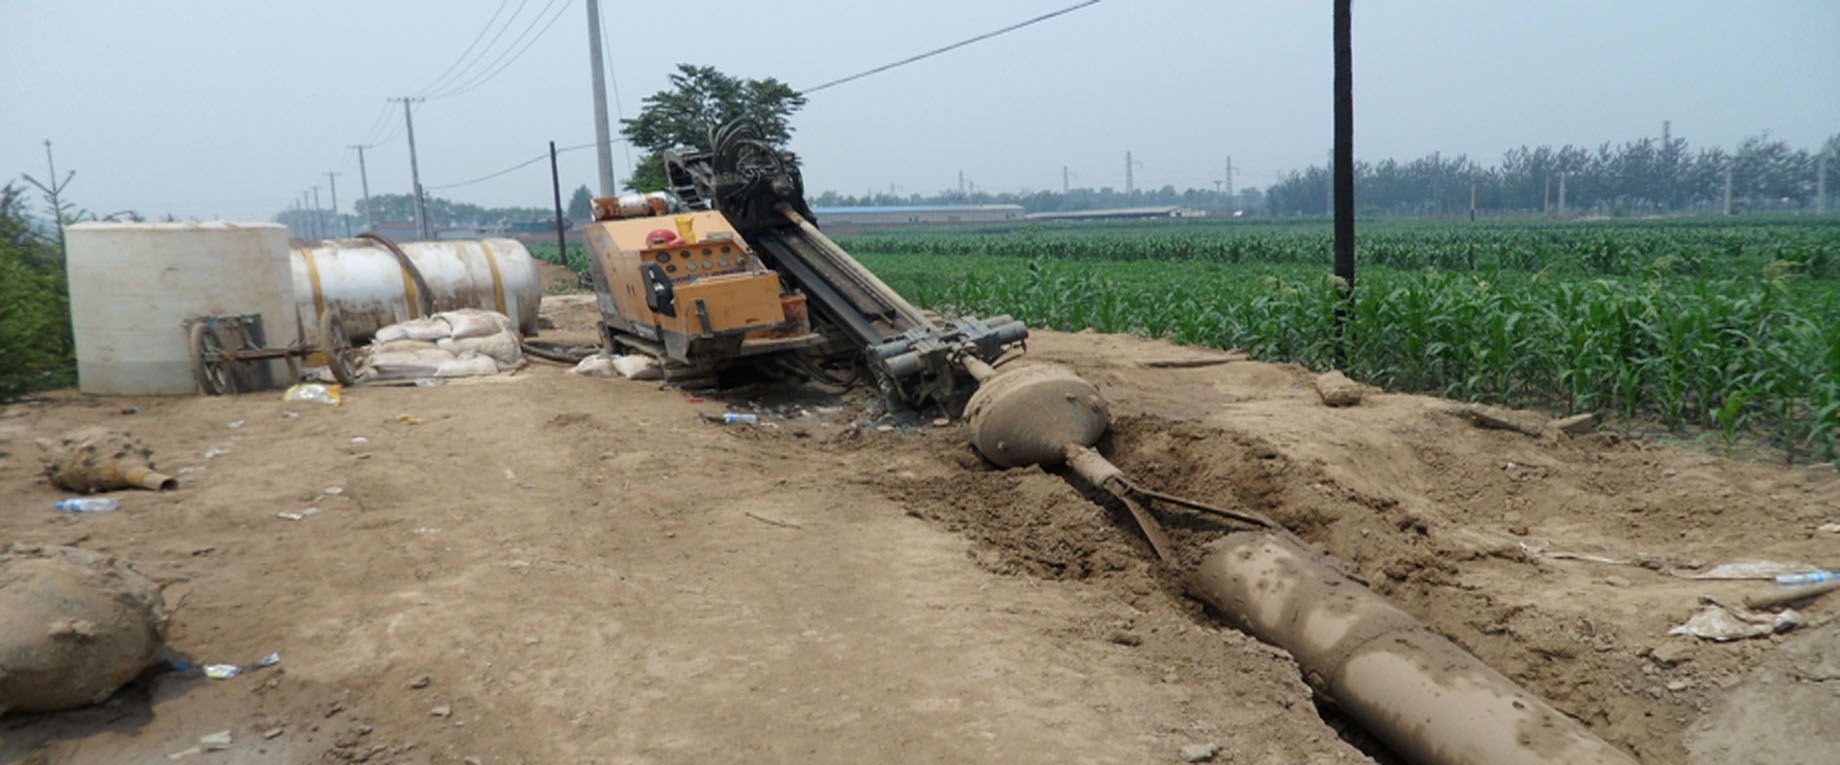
[1647, 175]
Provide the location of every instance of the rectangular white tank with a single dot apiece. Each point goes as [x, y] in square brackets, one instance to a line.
[133, 285]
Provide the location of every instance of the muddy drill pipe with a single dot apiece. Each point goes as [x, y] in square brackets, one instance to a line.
[1421, 694]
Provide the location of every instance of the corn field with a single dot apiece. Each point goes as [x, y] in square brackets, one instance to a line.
[1742, 345]
[1798, 245]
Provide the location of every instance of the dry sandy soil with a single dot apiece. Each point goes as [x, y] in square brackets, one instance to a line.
[547, 568]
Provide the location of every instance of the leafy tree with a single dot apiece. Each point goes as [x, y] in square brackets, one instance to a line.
[36, 351]
[581, 204]
[699, 100]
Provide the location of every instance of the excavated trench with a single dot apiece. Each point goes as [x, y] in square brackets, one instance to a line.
[1053, 525]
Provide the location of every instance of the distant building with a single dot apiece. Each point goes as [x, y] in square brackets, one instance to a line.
[908, 215]
[396, 230]
[1122, 213]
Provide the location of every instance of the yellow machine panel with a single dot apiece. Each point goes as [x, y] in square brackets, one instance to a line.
[690, 284]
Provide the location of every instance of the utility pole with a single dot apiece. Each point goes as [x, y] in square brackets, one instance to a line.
[1344, 167]
[1727, 187]
[319, 215]
[1546, 197]
[333, 184]
[961, 183]
[415, 171]
[1129, 181]
[603, 144]
[1067, 180]
[1562, 193]
[364, 179]
[555, 187]
[1229, 176]
[1820, 184]
[53, 189]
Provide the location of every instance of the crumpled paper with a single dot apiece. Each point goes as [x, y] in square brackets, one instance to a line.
[1723, 623]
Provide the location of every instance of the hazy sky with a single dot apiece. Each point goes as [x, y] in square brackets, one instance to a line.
[230, 108]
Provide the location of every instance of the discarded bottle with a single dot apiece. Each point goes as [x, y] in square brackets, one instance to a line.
[1811, 577]
[89, 505]
[735, 418]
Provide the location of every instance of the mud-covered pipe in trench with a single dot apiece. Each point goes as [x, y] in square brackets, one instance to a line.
[1428, 699]
[1421, 694]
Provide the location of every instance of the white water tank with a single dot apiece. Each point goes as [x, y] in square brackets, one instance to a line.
[369, 287]
[133, 285]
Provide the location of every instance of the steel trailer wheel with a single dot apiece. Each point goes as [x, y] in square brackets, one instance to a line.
[341, 358]
[208, 362]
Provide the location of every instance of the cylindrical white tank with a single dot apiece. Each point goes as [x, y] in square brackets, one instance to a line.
[133, 285]
[370, 288]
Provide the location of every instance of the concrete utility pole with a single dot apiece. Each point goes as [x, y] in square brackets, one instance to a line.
[961, 183]
[1472, 200]
[415, 171]
[1820, 184]
[1562, 193]
[1546, 198]
[1130, 180]
[1728, 188]
[603, 143]
[319, 216]
[1229, 176]
[333, 184]
[364, 180]
[1343, 156]
[1067, 180]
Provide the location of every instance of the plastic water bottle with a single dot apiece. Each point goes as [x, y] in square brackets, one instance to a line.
[1811, 577]
[88, 505]
[736, 418]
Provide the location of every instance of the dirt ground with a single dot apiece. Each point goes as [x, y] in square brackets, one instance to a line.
[548, 568]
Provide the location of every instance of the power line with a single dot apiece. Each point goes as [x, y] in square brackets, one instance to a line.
[487, 76]
[619, 109]
[382, 121]
[959, 44]
[466, 71]
[518, 166]
[396, 129]
[440, 79]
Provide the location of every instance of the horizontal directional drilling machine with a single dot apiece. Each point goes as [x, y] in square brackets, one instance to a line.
[727, 269]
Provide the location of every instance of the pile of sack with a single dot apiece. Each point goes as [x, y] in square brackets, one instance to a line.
[464, 343]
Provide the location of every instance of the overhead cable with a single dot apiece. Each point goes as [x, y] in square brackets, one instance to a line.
[441, 79]
[518, 166]
[959, 44]
[490, 73]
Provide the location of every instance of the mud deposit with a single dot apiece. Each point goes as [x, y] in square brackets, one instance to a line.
[74, 627]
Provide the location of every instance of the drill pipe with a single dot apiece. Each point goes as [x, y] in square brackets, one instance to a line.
[1429, 700]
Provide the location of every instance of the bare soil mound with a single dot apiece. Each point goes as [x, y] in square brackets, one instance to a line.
[74, 626]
